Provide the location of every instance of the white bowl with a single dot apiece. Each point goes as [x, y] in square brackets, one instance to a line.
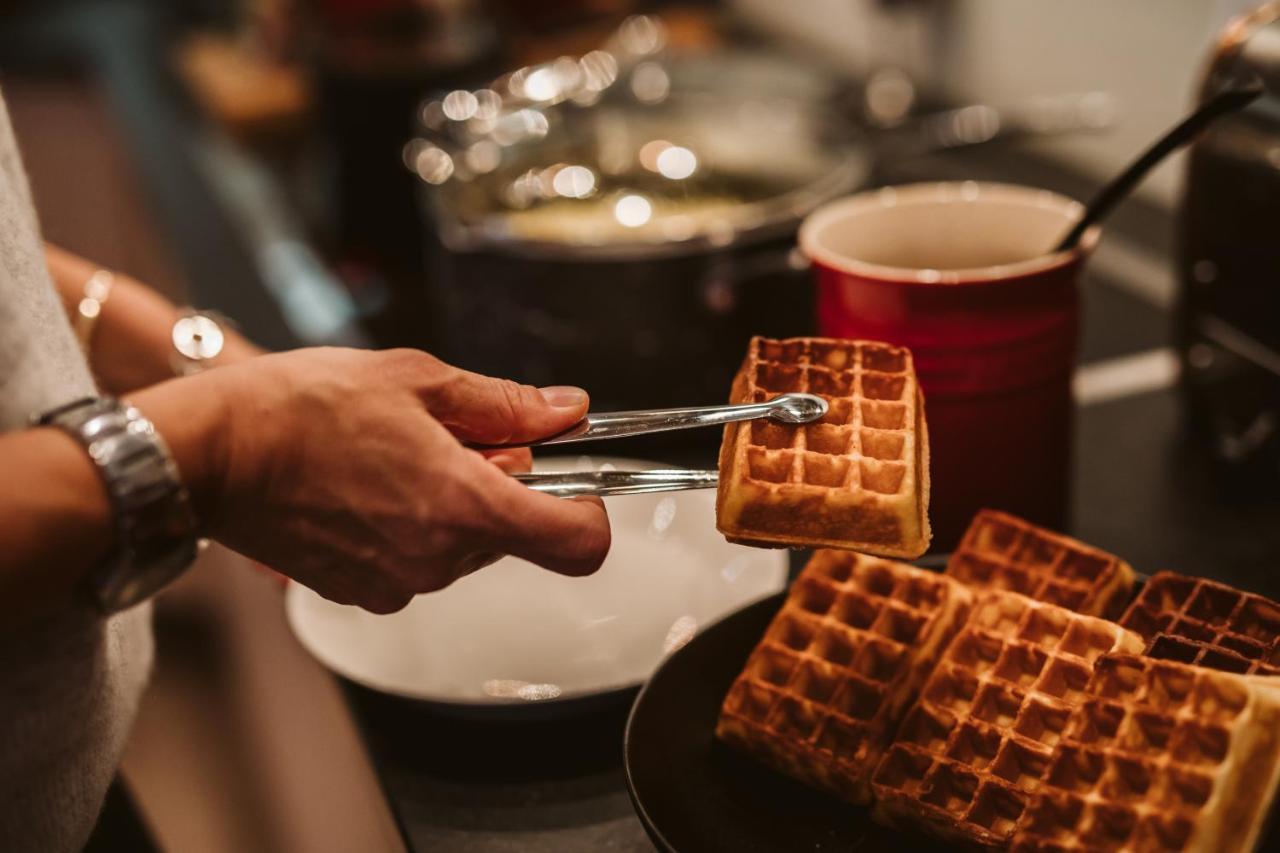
[513, 633]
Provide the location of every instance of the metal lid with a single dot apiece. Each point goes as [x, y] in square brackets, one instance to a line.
[630, 152]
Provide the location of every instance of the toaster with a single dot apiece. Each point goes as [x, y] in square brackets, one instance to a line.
[1229, 264]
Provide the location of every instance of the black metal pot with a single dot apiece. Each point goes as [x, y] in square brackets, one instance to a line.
[661, 331]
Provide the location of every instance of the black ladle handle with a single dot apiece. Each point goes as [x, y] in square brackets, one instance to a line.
[1226, 101]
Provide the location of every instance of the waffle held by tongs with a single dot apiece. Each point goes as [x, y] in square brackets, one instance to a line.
[856, 479]
[824, 444]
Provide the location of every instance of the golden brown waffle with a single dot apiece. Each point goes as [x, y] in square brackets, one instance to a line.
[1161, 756]
[1000, 551]
[858, 479]
[822, 693]
[973, 749]
[1198, 621]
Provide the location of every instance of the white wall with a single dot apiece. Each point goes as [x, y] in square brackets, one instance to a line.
[1147, 53]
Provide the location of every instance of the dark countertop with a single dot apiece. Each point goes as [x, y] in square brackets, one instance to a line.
[1140, 490]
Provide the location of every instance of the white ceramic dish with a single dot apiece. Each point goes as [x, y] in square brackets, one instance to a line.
[516, 635]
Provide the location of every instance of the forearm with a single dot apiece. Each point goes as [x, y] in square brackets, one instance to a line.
[57, 523]
[57, 520]
[131, 345]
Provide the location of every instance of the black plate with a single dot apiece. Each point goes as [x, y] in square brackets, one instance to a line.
[694, 795]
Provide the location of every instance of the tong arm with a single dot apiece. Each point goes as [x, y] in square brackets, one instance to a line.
[786, 408]
[570, 484]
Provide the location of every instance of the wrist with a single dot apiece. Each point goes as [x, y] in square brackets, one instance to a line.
[156, 532]
[237, 349]
[192, 415]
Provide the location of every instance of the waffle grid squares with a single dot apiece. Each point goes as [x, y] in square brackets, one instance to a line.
[979, 741]
[1198, 621]
[1139, 759]
[859, 443]
[824, 677]
[1000, 551]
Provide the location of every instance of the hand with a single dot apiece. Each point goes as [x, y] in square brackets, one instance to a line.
[344, 470]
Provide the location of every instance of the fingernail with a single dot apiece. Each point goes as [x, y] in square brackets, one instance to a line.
[564, 396]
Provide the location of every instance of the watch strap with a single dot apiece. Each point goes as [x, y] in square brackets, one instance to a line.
[156, 530]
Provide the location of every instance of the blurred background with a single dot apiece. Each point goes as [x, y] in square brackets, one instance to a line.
[254, 150]
[605, 193]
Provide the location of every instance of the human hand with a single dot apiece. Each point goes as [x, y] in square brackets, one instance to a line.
[344, 470]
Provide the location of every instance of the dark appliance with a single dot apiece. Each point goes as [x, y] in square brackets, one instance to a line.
[1229, 264]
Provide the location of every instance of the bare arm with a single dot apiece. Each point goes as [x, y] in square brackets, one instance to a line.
[341, 468]
[131, 346]
[58, 521]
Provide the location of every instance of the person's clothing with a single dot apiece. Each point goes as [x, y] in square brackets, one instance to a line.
[120, 826]
[69, 687]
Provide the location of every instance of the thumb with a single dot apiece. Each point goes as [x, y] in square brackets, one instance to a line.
[498, 411]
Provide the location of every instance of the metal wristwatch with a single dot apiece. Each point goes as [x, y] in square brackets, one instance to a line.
[156, 530]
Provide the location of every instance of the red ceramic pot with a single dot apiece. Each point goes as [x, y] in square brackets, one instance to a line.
[961, 273]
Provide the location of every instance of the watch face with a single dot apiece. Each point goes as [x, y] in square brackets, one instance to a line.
[198, 337]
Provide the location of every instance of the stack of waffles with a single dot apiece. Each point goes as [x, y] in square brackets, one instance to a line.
[1197, 621]
[858, 479]
[823, 692]
[1016, 722]
[1000, 551]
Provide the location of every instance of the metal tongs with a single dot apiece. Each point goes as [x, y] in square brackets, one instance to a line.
[787, 409]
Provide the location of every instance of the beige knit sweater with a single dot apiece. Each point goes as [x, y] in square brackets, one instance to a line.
[69, 686]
